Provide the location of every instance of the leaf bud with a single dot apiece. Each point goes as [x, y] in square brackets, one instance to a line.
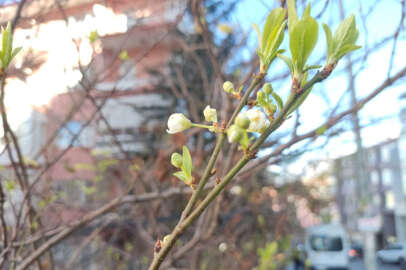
[176, 160]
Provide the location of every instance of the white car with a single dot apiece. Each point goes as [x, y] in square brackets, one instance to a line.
[327, 247]
[393, 253]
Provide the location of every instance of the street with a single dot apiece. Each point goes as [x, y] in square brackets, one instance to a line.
[359, 265]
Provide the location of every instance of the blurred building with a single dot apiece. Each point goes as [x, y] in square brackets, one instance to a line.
[382, 211]
[117, 45]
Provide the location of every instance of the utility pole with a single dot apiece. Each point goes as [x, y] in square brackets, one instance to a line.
[360, 166]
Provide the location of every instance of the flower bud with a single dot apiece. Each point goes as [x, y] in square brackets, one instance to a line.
[268, 88]
[242, 121]
[210, 115]
[272, 108]
[176, 160]
[261, 98]
[258, 121]
[234, 134]
[223, 247]
[228, 87]
[177, 122]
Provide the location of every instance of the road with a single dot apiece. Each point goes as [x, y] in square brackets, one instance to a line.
[359, 265]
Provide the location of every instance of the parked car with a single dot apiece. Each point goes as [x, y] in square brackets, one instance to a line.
[393, 253]
[327, 247]
[356, 251]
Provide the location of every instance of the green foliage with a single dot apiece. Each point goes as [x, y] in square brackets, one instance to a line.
[278, 100]
[10, 185]
[266, 256]
[271, 38]
[275, 254]
[104, 164]
[93, 36]
[184, 162]
[303, 35]
[343, 41]
[124, 56]
[7, 52]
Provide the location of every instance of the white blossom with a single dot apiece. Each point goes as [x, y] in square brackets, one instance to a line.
[223, 247]
[210, 114]
[258, 120]
[177, 122]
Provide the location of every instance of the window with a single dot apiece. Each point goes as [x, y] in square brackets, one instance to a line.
[394, 247]
[326, 243]
[374, 178]
[386, 177]
[389, 200]
[67, 135]
[386, 153]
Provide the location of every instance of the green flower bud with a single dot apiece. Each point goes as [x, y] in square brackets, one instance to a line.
[228, 87]
[234, 134]
[272, 108]
[268, 89]
[176, 160]
[261, 98]
[242, 121]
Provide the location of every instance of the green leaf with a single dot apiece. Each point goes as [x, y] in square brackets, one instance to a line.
[3, 47]
[343, 41]
[10, 185]
[124, 56]
[275, 40]
[6, 45]
[187, 161]
[346, 32]
[181, 175]
[345, 49]
[302, 42]
[307, 68]
[272, 25]
[292, 15]
[287, 61]
[15, 52]
[256, 28]
[329, 39]
[278, 100]
[306, 13]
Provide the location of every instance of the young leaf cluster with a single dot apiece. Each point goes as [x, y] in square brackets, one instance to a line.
[7, 53]
[184, 163]
[343, 41]
[271, 38]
